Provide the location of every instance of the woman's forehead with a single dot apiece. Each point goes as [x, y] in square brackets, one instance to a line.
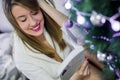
[19, 10]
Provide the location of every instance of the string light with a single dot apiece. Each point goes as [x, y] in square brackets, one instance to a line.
[115, 25]
[98, 20]
[101, 56]
[68, 5]
[116, 35]
[95, 18]
[80, 19]
[101, 37]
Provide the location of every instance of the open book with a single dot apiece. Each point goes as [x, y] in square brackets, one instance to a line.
[71, 63]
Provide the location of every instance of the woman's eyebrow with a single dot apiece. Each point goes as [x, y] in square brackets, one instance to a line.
[20, 16]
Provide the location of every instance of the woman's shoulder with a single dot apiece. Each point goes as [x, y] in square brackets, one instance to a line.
[17, 42]
[25, 54]
[19, 51]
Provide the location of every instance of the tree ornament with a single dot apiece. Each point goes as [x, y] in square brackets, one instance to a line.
[92, 46]
[80, 19]
[115, 25]
[68, 5]
[109, 58]
[101, 56]
[117, 73]
[97, 19]
[111, 68]
[68, 24]
[116, 35]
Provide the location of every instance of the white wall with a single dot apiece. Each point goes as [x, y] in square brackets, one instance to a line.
[5, 26]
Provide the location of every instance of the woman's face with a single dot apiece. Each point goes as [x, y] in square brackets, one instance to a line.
[31, 22]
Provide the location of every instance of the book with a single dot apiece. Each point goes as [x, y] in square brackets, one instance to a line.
[71, 63]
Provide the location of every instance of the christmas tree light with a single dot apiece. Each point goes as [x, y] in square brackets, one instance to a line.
[99, 20]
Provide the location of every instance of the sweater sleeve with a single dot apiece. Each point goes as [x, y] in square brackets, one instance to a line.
[36, 73]
[34, 66]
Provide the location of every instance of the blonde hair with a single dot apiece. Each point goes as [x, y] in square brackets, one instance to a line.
[51, 26]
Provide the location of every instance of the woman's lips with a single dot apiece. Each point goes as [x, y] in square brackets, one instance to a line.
[37, 28]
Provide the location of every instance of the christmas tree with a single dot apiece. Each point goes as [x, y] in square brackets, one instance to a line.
[99, 22]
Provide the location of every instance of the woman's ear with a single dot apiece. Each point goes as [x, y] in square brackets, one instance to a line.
[59, 17]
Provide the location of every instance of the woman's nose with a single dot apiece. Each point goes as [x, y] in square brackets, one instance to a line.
[32, 21]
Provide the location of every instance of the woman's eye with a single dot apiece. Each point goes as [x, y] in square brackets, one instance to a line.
[35, 13]
[23, 20]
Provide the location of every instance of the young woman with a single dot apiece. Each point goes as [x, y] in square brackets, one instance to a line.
[39, 45]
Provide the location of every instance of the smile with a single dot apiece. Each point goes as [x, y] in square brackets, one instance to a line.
[37, 28]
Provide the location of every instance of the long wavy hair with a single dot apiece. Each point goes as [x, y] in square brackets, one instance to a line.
[51, 26]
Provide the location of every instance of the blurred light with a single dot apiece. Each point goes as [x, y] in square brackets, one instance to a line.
[103, 20]
[115, 25]
[101, 56]
[68, 5]
[98, 17]
[80, 19]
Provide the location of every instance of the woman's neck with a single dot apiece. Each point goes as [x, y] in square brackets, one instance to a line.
[41, 38]
[44, 41]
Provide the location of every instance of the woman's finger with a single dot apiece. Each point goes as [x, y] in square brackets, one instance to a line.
[83, 67]
[81, 72]
[86, 71]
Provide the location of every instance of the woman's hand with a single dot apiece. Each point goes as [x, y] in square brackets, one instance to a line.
[82, 72]
[53, 13]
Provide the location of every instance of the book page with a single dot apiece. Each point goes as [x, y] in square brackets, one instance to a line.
[71, 63]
